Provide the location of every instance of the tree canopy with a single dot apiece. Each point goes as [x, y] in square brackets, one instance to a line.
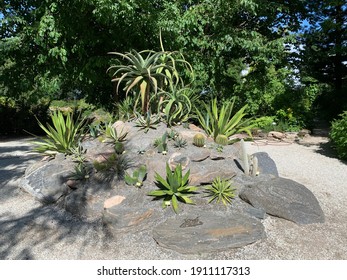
[58, 48]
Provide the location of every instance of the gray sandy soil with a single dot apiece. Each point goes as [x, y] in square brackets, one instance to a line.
[29, 230]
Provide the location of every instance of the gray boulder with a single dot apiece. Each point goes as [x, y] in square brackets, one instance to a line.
[204, 231]
[46, 181]
[266, 165]
[284, 198]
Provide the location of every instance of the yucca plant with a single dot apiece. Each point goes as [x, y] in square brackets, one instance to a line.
[217, 121]
[174, 188]
[220, 191]
[63, 136]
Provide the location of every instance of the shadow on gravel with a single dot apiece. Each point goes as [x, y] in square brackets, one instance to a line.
[45, 227]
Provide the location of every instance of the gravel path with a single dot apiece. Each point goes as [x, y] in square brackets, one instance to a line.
[29, 230]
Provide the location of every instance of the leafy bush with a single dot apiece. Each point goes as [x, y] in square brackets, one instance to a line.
[174, 188]
[216, 120]
[63, 137]
[338, 135]
[18, 117]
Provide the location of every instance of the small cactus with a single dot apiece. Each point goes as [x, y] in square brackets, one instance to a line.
[245, 159]
[222, 139]
[199, 140]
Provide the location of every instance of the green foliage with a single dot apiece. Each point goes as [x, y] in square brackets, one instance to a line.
[199, 140]
[180, 143]
[141, 72]
[125, 109]
[110, 132]
[221, 191]
[79, 153]
[216, 120]
[81, 172]
[338, 135]
[94, 130]
[147, 122]
[63, 136]
[116, 164]
[263, 122]
[139, 175]
[172, 134]
[174, 188]
[222, 140]
[161, 144]
[178, 104]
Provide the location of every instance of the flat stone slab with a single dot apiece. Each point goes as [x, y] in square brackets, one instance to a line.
[128, 213]
[203, 232]
[286, 199]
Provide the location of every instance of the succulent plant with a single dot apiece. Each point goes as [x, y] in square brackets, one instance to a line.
[180, 143]
[172, 134]
[119, 148]
[199, 140]
[245, 159]
[148, 121]
[161, 144]
[221, 191]
[174, 188]
[139, 175]
[222, 139]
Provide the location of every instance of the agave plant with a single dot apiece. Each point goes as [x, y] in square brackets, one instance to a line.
[63, 136]
[174, 188]
[217, 121]
[110, 132]
[147, 122]
[220, 191]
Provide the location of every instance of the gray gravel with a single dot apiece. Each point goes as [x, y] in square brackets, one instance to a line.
[29, 230]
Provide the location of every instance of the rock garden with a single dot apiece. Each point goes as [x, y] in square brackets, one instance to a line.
[194, 191]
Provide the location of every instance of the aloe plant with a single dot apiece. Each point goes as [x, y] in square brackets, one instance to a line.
[63, 136]
[143, 70]
[217, 121]
[178, 103]
[174, 188]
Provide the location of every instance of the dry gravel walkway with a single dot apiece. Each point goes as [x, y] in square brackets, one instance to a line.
[29, 230]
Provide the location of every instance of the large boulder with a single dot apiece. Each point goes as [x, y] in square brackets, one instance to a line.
[205, 231]
[284, 198]
[46, 180]
[266, 165]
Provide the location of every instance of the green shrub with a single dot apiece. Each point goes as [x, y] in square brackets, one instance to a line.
[338, 135]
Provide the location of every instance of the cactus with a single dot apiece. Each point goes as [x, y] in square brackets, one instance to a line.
[244, 158]
[199, 140]
[254, 166]
[222, 139]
